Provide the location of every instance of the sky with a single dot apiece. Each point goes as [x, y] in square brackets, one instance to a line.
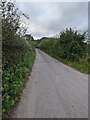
[49, 18]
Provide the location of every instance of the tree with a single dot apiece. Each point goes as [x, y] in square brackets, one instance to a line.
[72, 44]
[11, 23]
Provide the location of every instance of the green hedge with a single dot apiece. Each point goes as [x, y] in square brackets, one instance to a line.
[53, 47]
[17, 63]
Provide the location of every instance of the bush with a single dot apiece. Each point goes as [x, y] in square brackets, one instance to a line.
[17, 64]
[69, 45]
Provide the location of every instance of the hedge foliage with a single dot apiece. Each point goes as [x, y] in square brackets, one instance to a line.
[69, 48]
[17, 63]
[18, 55]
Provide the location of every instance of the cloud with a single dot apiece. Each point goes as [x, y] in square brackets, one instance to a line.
[49, 18]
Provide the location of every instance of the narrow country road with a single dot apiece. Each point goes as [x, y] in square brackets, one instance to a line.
[53, 90]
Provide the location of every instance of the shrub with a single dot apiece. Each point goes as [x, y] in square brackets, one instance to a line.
[17, 64]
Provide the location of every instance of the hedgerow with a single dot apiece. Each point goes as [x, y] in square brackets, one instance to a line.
[68, 48]
[15, 72]
[18, 55]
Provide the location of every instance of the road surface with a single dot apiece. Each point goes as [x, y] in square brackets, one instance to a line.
[53, 90]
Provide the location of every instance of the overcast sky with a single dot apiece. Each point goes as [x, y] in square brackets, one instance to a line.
[49, 18]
